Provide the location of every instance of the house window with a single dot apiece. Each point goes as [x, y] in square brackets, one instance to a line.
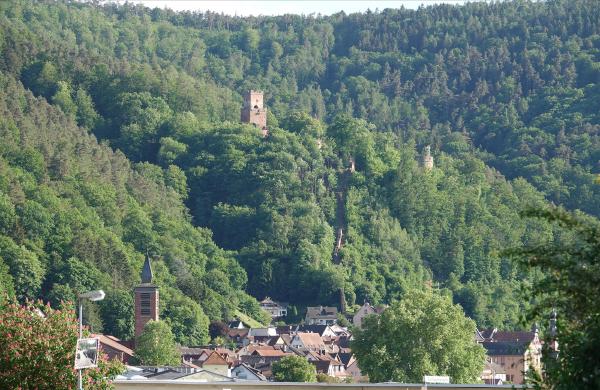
[145, 299]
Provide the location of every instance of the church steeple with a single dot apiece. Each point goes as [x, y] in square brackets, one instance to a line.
[146, 299]
[147, 271]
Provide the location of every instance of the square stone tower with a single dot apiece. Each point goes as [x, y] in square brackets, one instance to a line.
[254, 111]
[146, 300]
[427, 161]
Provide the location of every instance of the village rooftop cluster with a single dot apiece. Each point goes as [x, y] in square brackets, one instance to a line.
[248, 354]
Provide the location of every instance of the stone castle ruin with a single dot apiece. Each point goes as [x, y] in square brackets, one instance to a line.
[254, 112]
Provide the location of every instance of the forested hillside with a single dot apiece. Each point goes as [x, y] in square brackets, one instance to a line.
[506, 94]
[76, 216]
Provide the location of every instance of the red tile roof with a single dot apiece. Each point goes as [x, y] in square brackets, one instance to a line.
[215, 359]
[114, 343]
[310, 339]
[269, 352]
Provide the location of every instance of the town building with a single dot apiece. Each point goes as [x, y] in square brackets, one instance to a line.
[365, 310]
[493, 374]
[237, 324]
[115, 348]
[321, 330]
[321, 315]
[516, 352]
[277, 310]
[246, 373]
[308, 342]
[216, 363]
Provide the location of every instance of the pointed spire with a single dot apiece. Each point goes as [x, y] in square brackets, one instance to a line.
[147, 271]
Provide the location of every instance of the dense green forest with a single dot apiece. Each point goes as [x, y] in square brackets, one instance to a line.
[505, 93]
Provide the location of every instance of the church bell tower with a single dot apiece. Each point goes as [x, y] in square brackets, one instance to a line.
[146, 299]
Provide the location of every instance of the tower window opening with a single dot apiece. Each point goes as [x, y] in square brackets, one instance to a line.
[145, 304]
[256, 107]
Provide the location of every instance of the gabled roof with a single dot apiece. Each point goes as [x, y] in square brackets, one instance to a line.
[268, 302]
[345, 357]
[234, 332]
[501, 335]
[167, 374]
[517, 337]
[286, 338]
[340, 330]
[192, 350]
[322, 366]
[238, 324]
[343, 341]
[320, 329]
[269, 352]
[309, 340]
[189, 364]
[215, 359]
[278, 340]
[211, 375]
[114, 343]
[284, 329]
[225, 352]
[252, 370]
[262, 332]
[325, 312]
[497, 348]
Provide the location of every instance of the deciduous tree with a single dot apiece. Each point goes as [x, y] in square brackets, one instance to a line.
[423, 334]
[156, 345]
[294, 369]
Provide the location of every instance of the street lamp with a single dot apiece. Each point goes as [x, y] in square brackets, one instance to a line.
[96, 295]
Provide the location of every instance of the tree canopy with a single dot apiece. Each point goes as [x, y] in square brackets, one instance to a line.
[423, 334]
[294, 368]
[570, 287]
[156, 345]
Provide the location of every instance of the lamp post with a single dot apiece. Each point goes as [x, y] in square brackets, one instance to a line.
[96, 295]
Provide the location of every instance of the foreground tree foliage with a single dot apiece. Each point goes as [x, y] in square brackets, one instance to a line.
[571, 286]
[294, 369]
[37, 349]
[422, 334]
[156, 345]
